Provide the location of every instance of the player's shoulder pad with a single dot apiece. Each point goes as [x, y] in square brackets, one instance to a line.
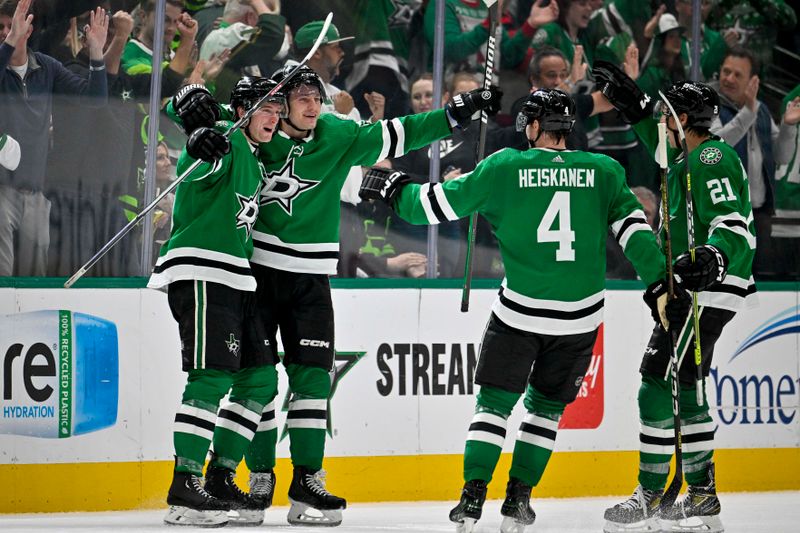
[714, 153]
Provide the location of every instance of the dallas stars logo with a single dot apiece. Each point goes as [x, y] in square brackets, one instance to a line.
[403, 12]
[711, 155]
[248, 212]
[343, 362]
[283, 186]
[233, 345]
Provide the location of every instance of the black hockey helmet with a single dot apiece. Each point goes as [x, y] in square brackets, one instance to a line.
[699, 101]
[250, 89]
[304, 76]
[554, 109]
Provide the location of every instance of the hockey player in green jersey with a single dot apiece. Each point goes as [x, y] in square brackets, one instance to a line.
[550, 209]
[721, 275]
[211, 291]
[296, 248]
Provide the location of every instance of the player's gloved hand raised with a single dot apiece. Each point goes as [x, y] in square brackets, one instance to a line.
[666, 311]
[709, 267]
[196, 108]
[382, 184]
[462, 106]
[622, 92]
[207, 144]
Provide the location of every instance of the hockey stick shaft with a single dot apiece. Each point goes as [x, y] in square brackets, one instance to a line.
[491, 42]
[698, 358]
[172, 186]
[671, 494]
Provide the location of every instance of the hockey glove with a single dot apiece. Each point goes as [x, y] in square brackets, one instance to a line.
[196, 108]
[622, 92]
[462, 106]
[666, 311]
[207, 144]
[382, 184]
[708, 268]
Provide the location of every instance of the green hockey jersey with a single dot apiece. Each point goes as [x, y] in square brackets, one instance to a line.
[215, 209]
[723, 216]
[298, 225]
[550, 211]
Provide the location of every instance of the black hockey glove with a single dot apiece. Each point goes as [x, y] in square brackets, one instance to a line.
[622, 92]
[196, 108]
[207, 144]
[709, 268]
[382, 184]
[462, 106]
[666, 311]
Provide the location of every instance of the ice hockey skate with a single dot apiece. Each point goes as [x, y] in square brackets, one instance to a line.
[468, 511]
[262, 487]
[244, 510]
[516, 510]
[191, 505]
[312, 504]
[638, 513]
[696, 511]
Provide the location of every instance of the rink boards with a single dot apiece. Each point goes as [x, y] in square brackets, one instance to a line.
[402, 402]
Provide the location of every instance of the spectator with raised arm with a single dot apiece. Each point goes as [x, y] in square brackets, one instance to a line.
[27, 82]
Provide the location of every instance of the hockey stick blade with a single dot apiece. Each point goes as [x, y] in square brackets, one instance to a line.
[172, 186]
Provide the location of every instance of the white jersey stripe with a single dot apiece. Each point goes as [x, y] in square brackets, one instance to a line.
[236, 428]
[321, 405]
[705, 427]
[400, 147]
[306, 423]
[659, 449]
[387, 141]
[191, 429]
[487, 437]
[536, 440]
[541, 422]
[426, 204]
[448, 210]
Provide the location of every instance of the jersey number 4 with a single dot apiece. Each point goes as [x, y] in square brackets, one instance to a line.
[564, 236]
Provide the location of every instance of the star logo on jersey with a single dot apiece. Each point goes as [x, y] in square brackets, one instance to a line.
[403, 12]
[233, 345]
[284, 186]
[248, 212]
[126, 95]
[711, 155]
[343, 362]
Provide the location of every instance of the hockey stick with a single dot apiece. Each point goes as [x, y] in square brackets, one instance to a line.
[698, 359]
[671, 494]
[488, 73]
[172, 186]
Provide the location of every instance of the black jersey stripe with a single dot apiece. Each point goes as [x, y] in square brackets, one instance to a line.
[630, 221]
[742, 292]
[392, 138]
[551, 313]
[268, 415]
[238, 419]
[488, 428]
[269, 247]
[656, 441]
[735, 223]
[307, 413]
[538, 430]
[200, 261]
[194, 421]
[437, 209]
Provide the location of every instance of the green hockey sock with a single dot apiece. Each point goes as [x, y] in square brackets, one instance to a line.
[657, 433]
[697, 436]
[260, 454]
[536, 437]
[307, 419]
[196, 416]
[487, 432]
[238, 418]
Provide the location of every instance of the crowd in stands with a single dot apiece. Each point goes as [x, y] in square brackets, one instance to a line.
[75, 86]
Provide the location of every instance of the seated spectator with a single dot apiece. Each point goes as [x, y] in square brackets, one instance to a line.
[786, 224]
[9, 152]
[25, 115]
[255, 35]
[745, 123]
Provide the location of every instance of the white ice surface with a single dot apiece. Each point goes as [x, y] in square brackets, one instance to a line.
[773, 512]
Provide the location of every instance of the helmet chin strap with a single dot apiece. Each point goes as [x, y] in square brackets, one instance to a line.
[532, 143]
[292, 124]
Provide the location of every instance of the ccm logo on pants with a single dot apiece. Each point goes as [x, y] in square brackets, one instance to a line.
[314, 343]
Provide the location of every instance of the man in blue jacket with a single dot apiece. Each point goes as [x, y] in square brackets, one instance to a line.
[27, 82]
